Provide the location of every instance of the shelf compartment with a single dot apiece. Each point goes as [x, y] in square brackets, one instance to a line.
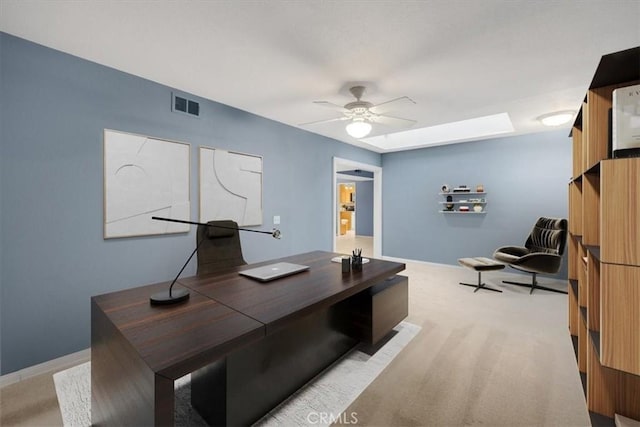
[600, 386]
[574, 287]
[572, 254]
[595, 341]
[620, 317]
[591, 210]
[575, 208]
[582, 342]
[461, 193]
[463, 203]
[595, 169]
[574, 343]
[620, 203]
[585, 132]
[593, 292]
[576, 135]
[599, 102]
[610, 391]
[574, 316]
[582, 276]
[594, 250]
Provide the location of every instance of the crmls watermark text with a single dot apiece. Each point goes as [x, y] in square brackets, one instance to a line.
[330, 418]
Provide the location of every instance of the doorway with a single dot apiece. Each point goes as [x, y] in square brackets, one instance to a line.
[346, 221]
[345, 206]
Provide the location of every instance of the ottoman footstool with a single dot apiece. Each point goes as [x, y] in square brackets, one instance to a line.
[480, 264]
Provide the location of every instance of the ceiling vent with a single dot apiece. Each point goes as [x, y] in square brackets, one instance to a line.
[181, 104]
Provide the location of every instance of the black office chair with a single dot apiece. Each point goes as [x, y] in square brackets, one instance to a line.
[219, 248]
[542, 252]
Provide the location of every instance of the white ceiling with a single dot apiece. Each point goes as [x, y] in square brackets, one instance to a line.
[457, 59]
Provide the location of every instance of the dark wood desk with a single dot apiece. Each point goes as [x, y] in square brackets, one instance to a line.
[237, 337]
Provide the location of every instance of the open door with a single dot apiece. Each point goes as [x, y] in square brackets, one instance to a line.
[341, 165]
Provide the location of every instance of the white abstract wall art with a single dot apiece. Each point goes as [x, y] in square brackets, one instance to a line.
[144, 177]
[230, 186]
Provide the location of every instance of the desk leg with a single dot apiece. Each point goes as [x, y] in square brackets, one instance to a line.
[124, 391]
[374, 312]
[251, 381]
[164, 401]
[209, 392]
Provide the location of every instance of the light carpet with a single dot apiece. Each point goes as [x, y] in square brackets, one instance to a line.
[320, 402]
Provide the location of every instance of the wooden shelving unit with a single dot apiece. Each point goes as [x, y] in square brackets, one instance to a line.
[604, 251]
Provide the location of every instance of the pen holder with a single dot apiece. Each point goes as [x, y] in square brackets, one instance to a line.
[356, 263]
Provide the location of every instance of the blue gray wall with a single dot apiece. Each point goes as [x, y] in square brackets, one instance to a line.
[364, 208]
[525, 177]
[53, 109]
[53, 258]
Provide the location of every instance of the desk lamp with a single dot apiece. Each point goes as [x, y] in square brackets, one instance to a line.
[180, 295]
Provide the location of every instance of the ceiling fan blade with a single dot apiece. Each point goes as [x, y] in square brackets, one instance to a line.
[337, 119]
[392, 104]
[393, 121]
[331, 105]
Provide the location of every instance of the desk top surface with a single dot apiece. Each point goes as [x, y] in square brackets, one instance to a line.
[226, 311]
[280, 301]
[175, 340]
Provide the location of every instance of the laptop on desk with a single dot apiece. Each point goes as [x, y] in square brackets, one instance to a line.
[274, 271]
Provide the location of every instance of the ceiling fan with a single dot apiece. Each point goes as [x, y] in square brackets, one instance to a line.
[361, 114]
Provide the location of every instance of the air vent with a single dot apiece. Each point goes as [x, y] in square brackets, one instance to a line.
[179, 104]
[182, 105]
[194, 108]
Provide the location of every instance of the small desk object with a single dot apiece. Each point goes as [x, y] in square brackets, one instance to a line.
[248, 345]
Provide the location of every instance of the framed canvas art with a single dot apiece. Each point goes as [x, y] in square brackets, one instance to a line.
[230, 186]
[144, 177]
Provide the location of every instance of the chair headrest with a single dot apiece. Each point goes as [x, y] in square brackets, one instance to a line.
[548, 235]
[551, 223]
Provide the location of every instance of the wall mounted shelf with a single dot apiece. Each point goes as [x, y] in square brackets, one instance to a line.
[463, 213]
[463, 198]
[460, 193]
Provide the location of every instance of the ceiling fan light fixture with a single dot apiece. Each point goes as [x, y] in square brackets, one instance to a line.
[557, 118]
[358, 128]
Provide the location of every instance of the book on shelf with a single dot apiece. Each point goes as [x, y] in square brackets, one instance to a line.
[625, 127]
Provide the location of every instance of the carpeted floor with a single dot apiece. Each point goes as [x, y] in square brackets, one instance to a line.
[321, 400]
[484, 358]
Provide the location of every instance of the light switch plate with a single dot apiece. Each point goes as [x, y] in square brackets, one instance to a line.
[276, 219]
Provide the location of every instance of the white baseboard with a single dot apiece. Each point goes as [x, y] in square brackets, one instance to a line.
[549, 279]
[415, 261]
[49, 366]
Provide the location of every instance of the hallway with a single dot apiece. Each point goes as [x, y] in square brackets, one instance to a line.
[346, 243]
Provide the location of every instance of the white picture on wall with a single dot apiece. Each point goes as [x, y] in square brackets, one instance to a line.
[230, 186]
[144, 177]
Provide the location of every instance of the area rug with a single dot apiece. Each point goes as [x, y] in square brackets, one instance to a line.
[320, 403]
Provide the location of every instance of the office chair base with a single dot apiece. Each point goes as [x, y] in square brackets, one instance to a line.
[480, 285]
[534, 285]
